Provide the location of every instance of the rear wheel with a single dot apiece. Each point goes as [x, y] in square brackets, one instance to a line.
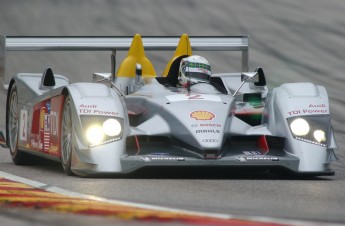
[12, 127]
[67, 145]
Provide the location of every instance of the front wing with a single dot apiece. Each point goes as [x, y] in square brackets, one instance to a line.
[132, 163]
[241, 153]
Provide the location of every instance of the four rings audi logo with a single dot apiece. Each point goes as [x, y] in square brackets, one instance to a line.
[210, 140]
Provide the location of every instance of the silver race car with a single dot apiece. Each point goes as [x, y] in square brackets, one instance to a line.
[186, 117]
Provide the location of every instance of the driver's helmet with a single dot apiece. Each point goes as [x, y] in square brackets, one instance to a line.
[194, 69]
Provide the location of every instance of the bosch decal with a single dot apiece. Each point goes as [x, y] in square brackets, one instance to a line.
[211, 125]
[206, 125]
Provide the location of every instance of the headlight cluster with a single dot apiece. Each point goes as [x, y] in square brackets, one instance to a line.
[311, 129]
[101, 130]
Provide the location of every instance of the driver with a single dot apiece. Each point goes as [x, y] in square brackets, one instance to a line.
[194, 69]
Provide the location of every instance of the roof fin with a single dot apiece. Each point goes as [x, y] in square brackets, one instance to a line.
[183, 48]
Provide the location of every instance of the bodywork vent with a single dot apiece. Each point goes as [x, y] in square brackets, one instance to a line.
[301, 89]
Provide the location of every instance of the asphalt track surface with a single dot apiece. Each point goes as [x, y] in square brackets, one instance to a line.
[294, 41]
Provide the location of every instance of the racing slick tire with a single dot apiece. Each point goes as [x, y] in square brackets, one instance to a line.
[12, 129]
[67, 145]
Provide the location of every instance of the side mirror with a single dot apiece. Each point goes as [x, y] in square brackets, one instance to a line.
[250, 77]
[262, 78]
[104, 78]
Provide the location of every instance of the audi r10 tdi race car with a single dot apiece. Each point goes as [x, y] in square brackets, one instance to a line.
[133, 118]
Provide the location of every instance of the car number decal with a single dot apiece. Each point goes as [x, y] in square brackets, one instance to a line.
[184, 97]
[23, 134]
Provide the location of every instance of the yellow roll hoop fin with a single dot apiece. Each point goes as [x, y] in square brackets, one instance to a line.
[183, 48]
[136, 55]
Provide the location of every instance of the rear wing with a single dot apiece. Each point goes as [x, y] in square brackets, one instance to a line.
[117, 43]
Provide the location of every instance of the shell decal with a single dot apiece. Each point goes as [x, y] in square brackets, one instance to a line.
[202, 115]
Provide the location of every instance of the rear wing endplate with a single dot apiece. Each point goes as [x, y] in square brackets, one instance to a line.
[117, 43]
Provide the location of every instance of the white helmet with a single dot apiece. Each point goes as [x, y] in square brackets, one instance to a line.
[194, 69]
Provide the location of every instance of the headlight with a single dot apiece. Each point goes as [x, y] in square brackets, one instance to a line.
[94, 134]
[112, 127]
[311, 129]
[299, 127]
[320, 136]
[101, 130]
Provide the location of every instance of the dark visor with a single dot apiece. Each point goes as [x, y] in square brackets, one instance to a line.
[198, 75]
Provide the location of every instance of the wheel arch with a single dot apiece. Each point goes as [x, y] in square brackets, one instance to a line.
[12, 82]
[95, 99]
[301, 100]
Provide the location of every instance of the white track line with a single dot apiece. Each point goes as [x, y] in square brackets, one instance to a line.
[61, 191]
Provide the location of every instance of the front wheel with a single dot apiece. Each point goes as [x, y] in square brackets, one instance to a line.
[12, 127]
[67, 145]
